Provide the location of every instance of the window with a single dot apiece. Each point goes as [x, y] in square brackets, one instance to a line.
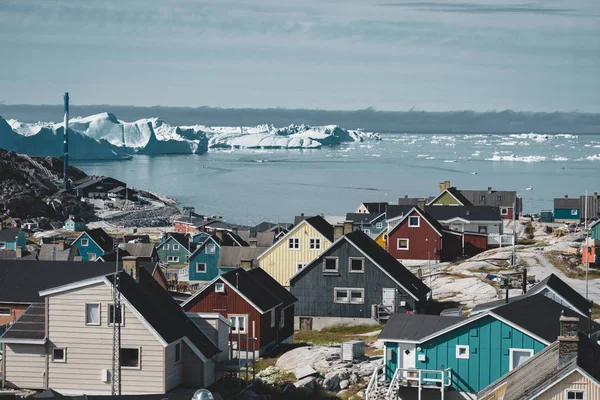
[238, 323]
[178, 353]
[273, 318]
[120, 315]
[201, 268]
[402, 244]
[414, 222]
[330, 264]
[2, 245]
[92, 314]
[498, 198]
[462, 352]
[92, 257]
[574, 212]
[187, 259]
[220, 287]
[314, 244]
[85, 242]
[282, 319]
[59, 355]
[519, 356]
[129, 357]
[575, 394]
[357, 264]
[175, 247]
[482, 229]
[349, 295]
[173, 259]
[504, 211]
[166, 246]
[379, 225]
[367, 231]
[293, 243]
[299, 266]
[211, 248]
[482, 198]
[5, 311]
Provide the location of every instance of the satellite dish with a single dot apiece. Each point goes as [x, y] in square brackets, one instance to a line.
[203, 394]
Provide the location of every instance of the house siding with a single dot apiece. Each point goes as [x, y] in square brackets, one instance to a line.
[489, 341]
[91, 248]
[25, 366]
[314, 289]
[280, 262]
[164, 254]
[173, 371]
[574, 381]
[211, 261]
[423, 241]
[564, 214]
[446, 200]
[89, 348]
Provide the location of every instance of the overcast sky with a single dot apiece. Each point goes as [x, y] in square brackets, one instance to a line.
[328, 54]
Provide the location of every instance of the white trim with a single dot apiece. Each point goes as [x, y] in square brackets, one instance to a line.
[273, 318]
[582, 391]
[350, 270]
[109, 314]
[205, 268]
[337, 264]
[349, 293]
[300, 266]
[503, 210]
[511, 356]
[203, 244]
[6, 314]
[317, 241]
[62, 360]
[557, 381]
[85, 310]
[208, 315]
[139, 360]
[295, 241]
[219, 287]
[214, 248]
[546, 286]
[440, 195]
[24, 341]
[73, 285]
[402, 248]
[465, 356]
[87, 242]
[294, 229]
[90, 238]
[235, 329]
[418, 225]
[418, 211]
[176, 249]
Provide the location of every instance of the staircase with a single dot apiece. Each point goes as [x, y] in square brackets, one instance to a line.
[382, 313]
[380, 388]
[54, 179]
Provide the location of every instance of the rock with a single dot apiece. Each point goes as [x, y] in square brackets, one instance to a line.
[332, 382]
[361, 394]
[318, 358]
[344, 384]
[354, 378]
[307, 384]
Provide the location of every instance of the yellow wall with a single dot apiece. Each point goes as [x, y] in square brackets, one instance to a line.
[575, 381]
[381, 238]
[280, 262]
[446, 199]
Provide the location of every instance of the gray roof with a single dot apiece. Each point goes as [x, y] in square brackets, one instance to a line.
[144, 250]
[51, 252]
[9, 234]
[30, 325]
[12, 255]
[410, 201]
[263, 239]
[500, 198]
[92, 180]
[470, 213]
[358, 218]
[232, 256]
[563, 202]
[415, 326]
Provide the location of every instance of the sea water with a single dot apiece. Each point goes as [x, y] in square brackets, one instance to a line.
[254, 185]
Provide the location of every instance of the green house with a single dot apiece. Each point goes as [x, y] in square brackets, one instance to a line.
[175, 249]
[595, 230]
[468, 354]
[450, 197]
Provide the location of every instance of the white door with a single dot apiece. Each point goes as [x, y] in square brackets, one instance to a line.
[406, 357]
[389, 299]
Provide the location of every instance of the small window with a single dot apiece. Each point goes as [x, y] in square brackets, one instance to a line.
[402, 244]
[575, 395]
[314, 244]
[92, 257]
[238, 323]
[498, 198]
[357, 264]
[414, 222]
[357, 296]
[166, 246]
[178, 353]
[379, 225]
[187, 259]
[574, 212]
[462, 352]
[2, 245]
[120, 315]
[220, 287]
[293, 243]
[211, 248]
[272, 318]
[367, 231]
[5, 311]
[341, 295]
[59, 355]
[129, 357]
[330, 264]
[482, 229]
[299, 266]
[519, 356]
[92, 314]
[201, 268]
[174, 259]
[175, 247]
[482, 198]
[348, 295]
[282, 319]
[85, 242]
[504, 211]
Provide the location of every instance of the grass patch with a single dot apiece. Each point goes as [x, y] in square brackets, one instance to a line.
[353, 330]
[575, 271]
[337, 334]
[373, 352]
[596, 311]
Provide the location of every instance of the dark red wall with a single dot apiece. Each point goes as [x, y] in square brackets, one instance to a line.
[419, 247]
[475, 244]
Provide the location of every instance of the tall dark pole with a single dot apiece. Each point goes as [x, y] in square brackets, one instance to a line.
[66, 143]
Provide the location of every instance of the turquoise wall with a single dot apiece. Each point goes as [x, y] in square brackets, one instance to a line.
[391, 359]
[489, 341]
[595, 232]
[565, 213]
[211, 261]
[92, 247]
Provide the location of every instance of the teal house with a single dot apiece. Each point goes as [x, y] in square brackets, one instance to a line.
[175, 249]
[11, 238]
[468, 354]
[93, 244]
[204, 261]
[595, 230]
[567, 210]
[75, 224]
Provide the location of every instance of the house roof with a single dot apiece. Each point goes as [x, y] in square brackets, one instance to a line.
[136, 238]
[75, 218]
[181, 238]
[571, 203]
[232, 239]
[163, 313]
[252, 289]
[469, 213]
[552, 282]
[454, 192]
[268, 226]
[21, 281]
[52, 252]
[394, 211]
[358, 218]
[263, 239]
[144, 250]
[500, 198]
[415, 327]
[425, 215]
[409, 201]
[30, 325]
[322, 226]
[232, 256]
[9, 234]
[273, 286]
[92, 180]
[101, 238]
[12, 255]
[376, 207]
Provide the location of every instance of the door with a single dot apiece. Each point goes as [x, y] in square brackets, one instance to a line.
[407, 357]
[389, 299]
[391, 359]
[306, 324]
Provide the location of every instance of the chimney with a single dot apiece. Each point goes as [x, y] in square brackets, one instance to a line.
[131, 266]
[347, 227]
[302, 214]
[322, 215]
[442, 186]
[253, 243]
[19, 251]
[566, 196]
[246, 264]
[60, 245]
[595, 195]
[524, 284]
[489, 190]
[406, 196]
[568, 339]
[338, 231]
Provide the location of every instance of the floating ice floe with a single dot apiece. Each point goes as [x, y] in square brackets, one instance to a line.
[560, 159]
[515, 158]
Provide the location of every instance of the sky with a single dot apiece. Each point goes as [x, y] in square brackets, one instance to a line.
[315, 54]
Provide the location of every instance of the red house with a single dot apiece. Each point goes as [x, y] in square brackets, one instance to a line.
[260, 310]
[418, 237]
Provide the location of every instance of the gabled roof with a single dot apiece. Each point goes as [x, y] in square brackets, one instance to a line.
[263, 239]
[100, 237]
[52, 252]
[376, 207]
[563, 202]
[415, 327]
[75, 218]
[322, 226]
[181, 238]
[233, 239]
[394, 211]
[500, 198]
[9, 234]
[358, 218]
[92, 180]
[273, 286]
[269, 226]
[252, 289]
[232, 256]
[452, 191]
[143, 250]
[428, 218]
[468, 213]
[29, 327]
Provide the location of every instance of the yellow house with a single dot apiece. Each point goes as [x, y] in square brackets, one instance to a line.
[298, 247]
[568, 369]
[381, 239]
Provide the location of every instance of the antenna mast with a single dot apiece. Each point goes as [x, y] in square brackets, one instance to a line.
[116, 358]
[66, 143]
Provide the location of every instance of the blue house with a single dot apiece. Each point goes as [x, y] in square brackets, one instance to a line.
[204, 261]
[11, 238]
[75, 224]
[371, 224]
[468, 354]
[567, 210]
[93, 244]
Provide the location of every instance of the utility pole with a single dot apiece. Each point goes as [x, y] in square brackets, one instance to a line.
[514, 255]
[116, 357]
[66, 143]
[587, 255]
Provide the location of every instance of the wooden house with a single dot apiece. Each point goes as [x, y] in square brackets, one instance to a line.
[371, 224]
[506, 200]
[203, 262]
[592, 202]
[93, 244]
[477, 219]
[590, 250]
[306, 241]
[354, 281]
[175, 249]
[468, 354]
[260, 310]
[160, 347]
[567, 209]
[142, 251]
[372, 208]
[75, 224]
[95, 186]
[59, 251]
[12, 238]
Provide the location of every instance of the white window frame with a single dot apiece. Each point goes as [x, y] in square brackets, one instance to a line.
[59, 360]
[85, 242]
[85, 310]
[482, 228]
[234, 327]
[337, 265]
[92, 257]
[175, 246]
[139, 360]
[504, 211]
[314, 243]
[219, 287]
[2, 245]
[350, 270]
[465, 356]
[348, 295]
[407, 244]
[410, 225]
[174, 259]
[211, 248]
[574, 212]
[273, 319]
[109, 314]
[9, 313]
[300, 266]
[178, 352]
[198, 271]
[293, 243]
[511, 353]
[282, 318]
[379, 225]
[166, 246]
[366, 231]
[575, 391]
